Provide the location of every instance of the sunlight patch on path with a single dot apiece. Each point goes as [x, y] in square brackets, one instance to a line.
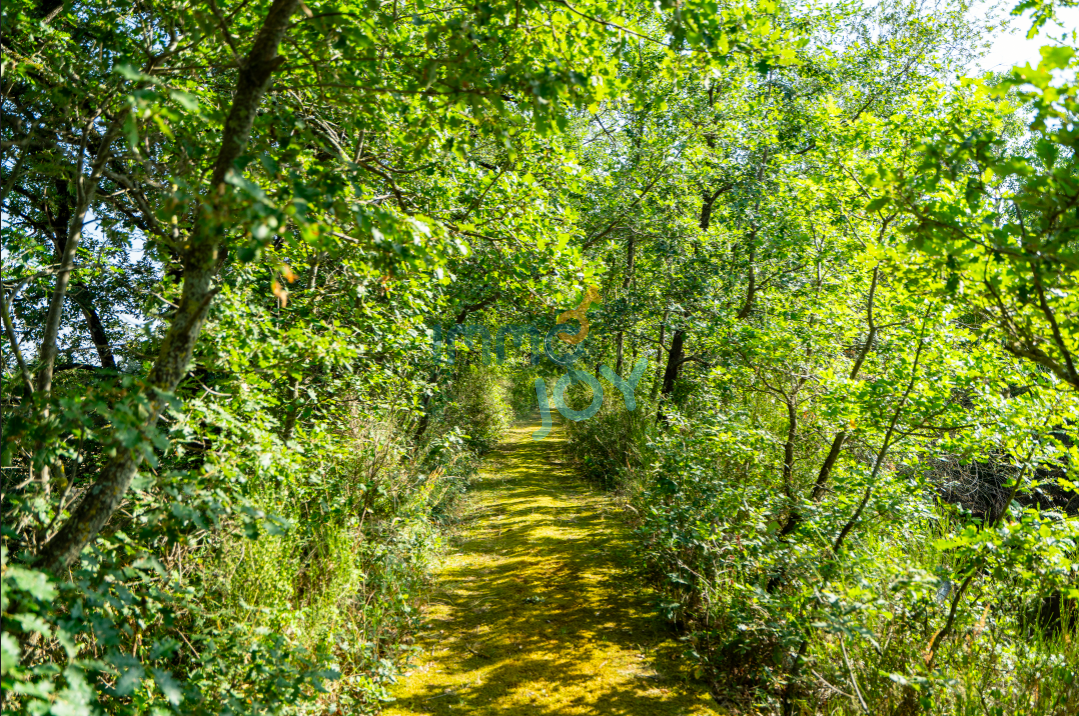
[532, 613]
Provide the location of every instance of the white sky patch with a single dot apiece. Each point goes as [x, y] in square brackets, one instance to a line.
[1010, 45]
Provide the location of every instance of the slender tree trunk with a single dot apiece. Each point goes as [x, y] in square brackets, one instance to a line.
[819, 486]
[87, 190]
[201, 261]
[293, 410]
[788, 445]
[9, 329]
[630, 263]
[425, 419]
[421, 426]
[706, 209]
[670, 374]
[707, 201]
[751, 287]
[81, 296]
[618, 348]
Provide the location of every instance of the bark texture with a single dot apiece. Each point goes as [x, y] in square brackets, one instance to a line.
[674, 364]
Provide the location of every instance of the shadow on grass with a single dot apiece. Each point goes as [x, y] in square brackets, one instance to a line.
[535, 614]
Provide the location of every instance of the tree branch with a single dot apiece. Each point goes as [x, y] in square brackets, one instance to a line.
[589, 242]
[200, 266]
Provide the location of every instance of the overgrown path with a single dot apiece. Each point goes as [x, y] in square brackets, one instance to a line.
[533, 612]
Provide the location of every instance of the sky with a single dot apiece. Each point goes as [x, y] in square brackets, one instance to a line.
[1012, 48]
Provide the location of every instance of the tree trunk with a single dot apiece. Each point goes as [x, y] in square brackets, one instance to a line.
[670, 375]
[425, 419]
[631, 250]
[659, 355]
[707, 201]
[82, 298]
[820, 485]
[201, 262]
[751, 287]
[421, 426]
[618, 349]
[293, 410]
[71, 234]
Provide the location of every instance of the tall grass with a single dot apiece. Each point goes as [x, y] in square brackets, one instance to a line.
[608, 447]
[340, 572]
[479, 404]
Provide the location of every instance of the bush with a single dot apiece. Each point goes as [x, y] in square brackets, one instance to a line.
[608, 447]
[707, 506]
[522, 391]
[286, 584]
[479, 404]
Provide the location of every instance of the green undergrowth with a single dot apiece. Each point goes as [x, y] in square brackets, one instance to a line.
[609, 446]
[481, 406]
[286, 582]
[779, 625]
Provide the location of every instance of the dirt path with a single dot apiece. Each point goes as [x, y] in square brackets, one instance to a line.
[533, 613]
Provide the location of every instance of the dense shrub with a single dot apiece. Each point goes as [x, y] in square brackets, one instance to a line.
[778, 622]
[608, 447]
[301, 593]
[478, 404]
[522, 391]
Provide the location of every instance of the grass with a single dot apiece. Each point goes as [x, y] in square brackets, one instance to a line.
[532, 612]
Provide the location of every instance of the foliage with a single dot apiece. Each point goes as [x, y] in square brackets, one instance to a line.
[233, 231]
[607, 447]
[479, 406]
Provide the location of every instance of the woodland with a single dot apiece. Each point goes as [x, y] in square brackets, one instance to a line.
[238, 426]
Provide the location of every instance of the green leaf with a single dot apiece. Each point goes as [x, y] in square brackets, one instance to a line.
[168, 685]
[878, 203]
[9, 653]
[132, 74]
[71, 647]
[1056, 57]
[35, 583]
[142, 481]
[188, 101]
[131, 132]
[130, 679]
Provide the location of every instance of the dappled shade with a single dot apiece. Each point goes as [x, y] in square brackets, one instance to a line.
[530, 613]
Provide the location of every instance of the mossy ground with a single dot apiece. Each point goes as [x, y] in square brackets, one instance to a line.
[534, 611]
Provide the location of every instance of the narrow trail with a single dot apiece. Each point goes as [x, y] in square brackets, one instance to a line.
[533, 613]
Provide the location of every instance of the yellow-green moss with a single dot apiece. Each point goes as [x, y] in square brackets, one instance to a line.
[533, 613]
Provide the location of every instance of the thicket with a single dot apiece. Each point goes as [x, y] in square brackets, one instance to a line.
[280, 575]
[233, 233]
[837, 614]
